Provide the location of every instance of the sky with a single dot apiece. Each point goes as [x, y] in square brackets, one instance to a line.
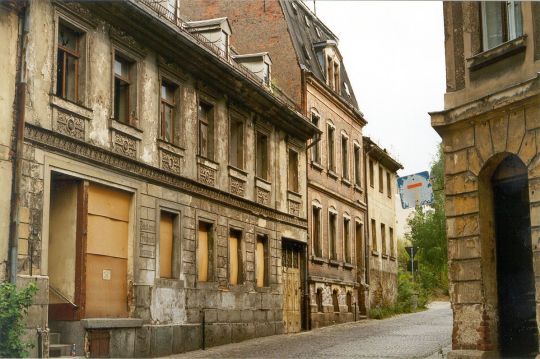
[394, 56]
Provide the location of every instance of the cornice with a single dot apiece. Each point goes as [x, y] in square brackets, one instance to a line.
[343, 198]
[98, 156]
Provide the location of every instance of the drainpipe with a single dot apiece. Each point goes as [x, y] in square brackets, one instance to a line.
[18, 147]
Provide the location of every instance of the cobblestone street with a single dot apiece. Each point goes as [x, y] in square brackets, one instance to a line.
[418, 335]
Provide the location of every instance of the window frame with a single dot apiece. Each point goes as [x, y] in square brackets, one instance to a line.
[211, 278]
[384, 247]
[332, 234]
[210, 123]
[316, 240]
[240, 277]
[331, 146]
[374, 243]
[266, 261]
[175, 106]
[389, 184]
[235, 119]
[371, 173]
[316, 148]
[506, 23]
[357, 153]
[345, 159]
[266, 161]
[381, 179]
[347, 247]
[295, 187]
[76, 54]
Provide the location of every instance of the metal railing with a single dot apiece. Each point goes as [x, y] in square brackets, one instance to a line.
[62, 296]
[172, 17]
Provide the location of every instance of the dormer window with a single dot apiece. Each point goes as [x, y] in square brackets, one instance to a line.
[337, 83]
[224, 43]
[266, 74]
[308, 22]
[330, 72]
[260, 64]
[318, 32]
[216, 31]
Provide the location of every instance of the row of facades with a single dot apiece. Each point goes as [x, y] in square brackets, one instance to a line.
[175, 186]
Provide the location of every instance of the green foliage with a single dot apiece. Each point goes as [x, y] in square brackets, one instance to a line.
[13, 307]
[428, 234]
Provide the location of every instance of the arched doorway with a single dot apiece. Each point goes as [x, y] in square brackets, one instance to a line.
[518, 331]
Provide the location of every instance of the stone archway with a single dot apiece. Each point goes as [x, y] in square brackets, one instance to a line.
[507, 258]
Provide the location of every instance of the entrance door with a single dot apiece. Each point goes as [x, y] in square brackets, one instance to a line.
[518, 333]
[107, 252]
[292, 287]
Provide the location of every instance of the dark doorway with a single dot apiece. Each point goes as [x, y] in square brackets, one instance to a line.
[518, 332]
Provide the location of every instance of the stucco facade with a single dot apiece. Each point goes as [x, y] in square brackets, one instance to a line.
[181, 234]
[381, 179]
[490, 133]
[308, 68]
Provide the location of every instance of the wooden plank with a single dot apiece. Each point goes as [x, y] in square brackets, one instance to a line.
[107, 236]
[106, 287]
[165, 245]
[202, 255]
[109, 202]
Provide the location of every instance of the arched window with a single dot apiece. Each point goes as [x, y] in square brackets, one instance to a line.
[335, 300]
[319, 300]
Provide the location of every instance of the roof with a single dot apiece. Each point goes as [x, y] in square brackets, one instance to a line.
[381, 154]
[309, 33]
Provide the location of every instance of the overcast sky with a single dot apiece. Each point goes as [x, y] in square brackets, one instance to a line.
[394, 55]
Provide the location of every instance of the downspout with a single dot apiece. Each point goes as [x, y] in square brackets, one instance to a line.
[306, 266]
[17, 151]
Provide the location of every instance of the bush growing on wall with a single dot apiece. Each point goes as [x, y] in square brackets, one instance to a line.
[13, 307]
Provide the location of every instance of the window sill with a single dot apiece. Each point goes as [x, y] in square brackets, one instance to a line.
[129, 130]
[346, 182]
[262, 183]
[317, 166]
[70, 106]
[265, 289]
[167, 146]
[169, 283]
[348, 266]
[332, 174]
[357, 188]
[385, 256]
[374, 253]
[334, 263]
[207, 162]
[294, 196]
[237, 173]
[392, 258]
[319, 260]
[498, 53]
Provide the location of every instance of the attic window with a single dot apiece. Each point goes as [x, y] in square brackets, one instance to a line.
[308, 23]
[295, 9]
[306, 52]
[346, 87]
[318, 32]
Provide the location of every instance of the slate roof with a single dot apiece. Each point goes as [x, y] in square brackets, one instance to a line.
[308, 32]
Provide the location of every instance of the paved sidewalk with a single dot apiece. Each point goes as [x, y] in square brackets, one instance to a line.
[419, 335]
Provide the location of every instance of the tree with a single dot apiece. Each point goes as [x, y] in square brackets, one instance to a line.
[428, 232]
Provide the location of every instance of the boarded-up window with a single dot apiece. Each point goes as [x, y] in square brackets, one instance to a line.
[166, 244]
[261, 265]
[261, 146]
[204, 255]
[332, 218]
[235, 257]
[293, 171]
[347, 239]
[373, 235]
[383, 238]
[236, 144]
[316, 231]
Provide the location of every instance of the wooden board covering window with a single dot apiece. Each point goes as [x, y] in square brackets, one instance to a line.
[260, 266]
[203, 252]
[234, 243]
[166, 238]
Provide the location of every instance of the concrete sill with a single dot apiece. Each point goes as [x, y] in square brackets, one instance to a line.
[97, 323]
[375, 253]
[333, 263]
[357, 188]
[315, 259]
[392, 258]
[385, 256]
[332, 174]
[498, 53]
[348, 266]
[346, 182]
[317, 166]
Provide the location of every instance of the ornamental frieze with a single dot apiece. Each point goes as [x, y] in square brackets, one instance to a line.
[124, 145]
[170, 162]
[262, 196]
[294, 208]
[207, 175]
[70, 125]
[237, 187]
[77, 149]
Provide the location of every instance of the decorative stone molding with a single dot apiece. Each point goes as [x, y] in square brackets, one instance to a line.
[237, 186]
[294, 208]
[76, 149]
[70, 125]
[207, 175]
[262, 196]
[124, 145]
[170, 162]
